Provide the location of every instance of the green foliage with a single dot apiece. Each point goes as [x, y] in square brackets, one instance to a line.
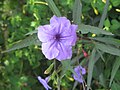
[77, 12]
[108, 40]
[114, 70]
[108, 49]
[115, 3]
[90, 68]
[53, 7]
[31, 40]
[18, 22]
[87, 28]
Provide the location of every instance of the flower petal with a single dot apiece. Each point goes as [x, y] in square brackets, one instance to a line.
[60, 23]
[69, 35]
[44, 83]
[65, 52]
[67, 40]
[47, 79]
[83, 71]
[58, 20]
[78, 78]
[73, 33]
[45, 33]
[49, 49]
[79, 70]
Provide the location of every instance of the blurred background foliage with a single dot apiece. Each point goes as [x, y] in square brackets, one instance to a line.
[19, 68]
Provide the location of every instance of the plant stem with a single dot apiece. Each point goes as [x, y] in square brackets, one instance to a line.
[58, 79]
[83, 86]
[54, 64]
[58, 84]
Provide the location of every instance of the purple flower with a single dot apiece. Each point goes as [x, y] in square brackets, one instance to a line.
[44, 82]
[57, 38]
[79, 72]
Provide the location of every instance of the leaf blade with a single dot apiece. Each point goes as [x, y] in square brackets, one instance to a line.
[107, 40]
[114, 70]
[87, 28]
[53, 7]
[30, 40]
[90, 68]
[77, 12]
[107, 48]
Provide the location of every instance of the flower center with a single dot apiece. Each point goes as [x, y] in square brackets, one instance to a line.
[57, 37]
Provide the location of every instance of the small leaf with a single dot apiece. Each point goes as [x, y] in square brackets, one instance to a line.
[30, 40]
[114, 70]
[107, 23]
[108, 49]
[48, 70]
[115, 25]
[77, 12]
[53, 7]
[87, 28]
[115, 3]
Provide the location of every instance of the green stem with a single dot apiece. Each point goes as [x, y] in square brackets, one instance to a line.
[58, 79]
[83, 86]
[58, 84]
[104, 14]
[21, 68]
[54, 64]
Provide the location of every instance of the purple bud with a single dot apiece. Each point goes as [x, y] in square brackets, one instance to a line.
[79, 70]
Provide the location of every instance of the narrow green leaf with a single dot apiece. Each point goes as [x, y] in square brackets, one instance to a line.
[115, 86]
[30, 40]
[108, 49]
[102, 80]
[104, 14]
[99, 73]
[90, 68]
[75, 85]
[53, 7]
[87, 28]
[32, 32]
[107, 40]
[114, 70]
[100, 53]
[77, 12]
